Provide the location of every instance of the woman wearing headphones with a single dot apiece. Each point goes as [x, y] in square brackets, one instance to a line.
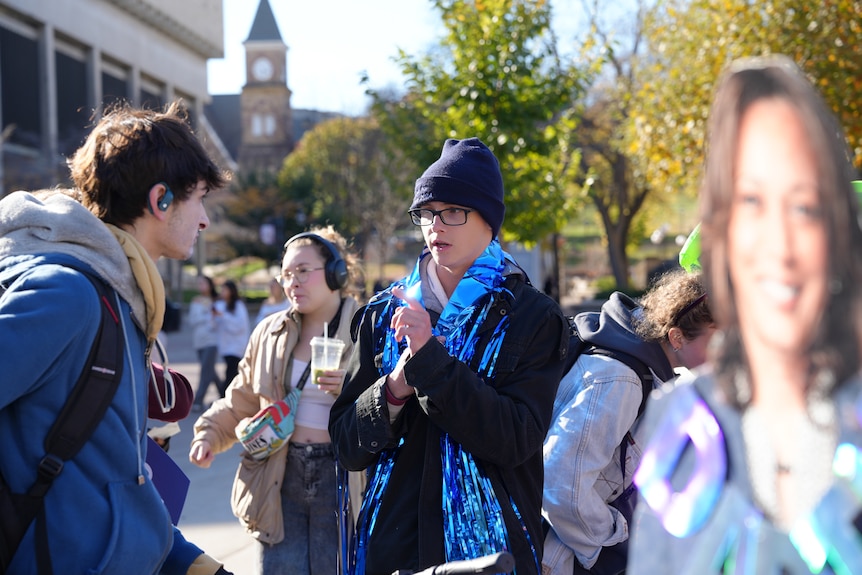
[287, 500]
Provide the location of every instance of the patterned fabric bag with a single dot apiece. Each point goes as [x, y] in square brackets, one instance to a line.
[271, 427]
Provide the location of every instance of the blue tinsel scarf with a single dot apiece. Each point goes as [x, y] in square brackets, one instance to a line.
[473, 519]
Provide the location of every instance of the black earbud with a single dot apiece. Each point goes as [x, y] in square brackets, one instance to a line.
[165, 201]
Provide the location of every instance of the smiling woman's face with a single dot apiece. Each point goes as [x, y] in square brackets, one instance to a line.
[777, 241]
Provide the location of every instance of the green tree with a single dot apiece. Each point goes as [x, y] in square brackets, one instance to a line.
[344, 172]
[496, 75]
[255, 202]
[613, 184]
[692, 41]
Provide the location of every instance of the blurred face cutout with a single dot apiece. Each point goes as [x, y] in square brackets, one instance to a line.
[777, 242]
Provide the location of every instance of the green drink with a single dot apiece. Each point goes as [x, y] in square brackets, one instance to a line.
[325, 355]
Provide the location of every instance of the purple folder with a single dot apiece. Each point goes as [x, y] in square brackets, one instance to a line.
[169, 479]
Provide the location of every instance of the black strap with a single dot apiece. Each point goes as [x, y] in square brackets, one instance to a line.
[81, 414]
[647, 382]
[43, 551]
[90, 398]
[333, 325]
[304, 377]
[640, 368]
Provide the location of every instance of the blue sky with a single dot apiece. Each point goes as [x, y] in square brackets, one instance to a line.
[331, 42]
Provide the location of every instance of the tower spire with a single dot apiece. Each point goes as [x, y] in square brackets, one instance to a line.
[264, 27]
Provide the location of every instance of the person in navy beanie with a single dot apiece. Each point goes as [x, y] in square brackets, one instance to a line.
[450, 388]
[467, 174]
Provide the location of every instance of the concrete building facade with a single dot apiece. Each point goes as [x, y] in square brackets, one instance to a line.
[62, 61]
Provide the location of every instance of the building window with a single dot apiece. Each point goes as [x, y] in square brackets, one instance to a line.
[151, 100]
[269, 125]
[19, 74]
[256, 125]
[73, 112]
[189, 104]
[115, 83]
[152, 94]
[262, 125]
[113, 89]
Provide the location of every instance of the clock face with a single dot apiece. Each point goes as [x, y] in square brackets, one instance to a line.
[262, 69]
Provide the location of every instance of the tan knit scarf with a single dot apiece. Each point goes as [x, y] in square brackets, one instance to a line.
[148, 278]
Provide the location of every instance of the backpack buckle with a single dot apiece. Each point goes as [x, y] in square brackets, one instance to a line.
[50, 466]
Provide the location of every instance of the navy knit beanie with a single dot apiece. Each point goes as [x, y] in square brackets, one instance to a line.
[467, 174]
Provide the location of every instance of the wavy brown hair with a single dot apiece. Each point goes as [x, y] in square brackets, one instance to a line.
[130, 150]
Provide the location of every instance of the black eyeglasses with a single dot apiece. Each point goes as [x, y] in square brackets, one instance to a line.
[449, 216]
[684, 311]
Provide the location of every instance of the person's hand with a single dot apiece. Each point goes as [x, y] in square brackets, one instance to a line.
[330, 381]
[201, 453]
[396, 381]
[411, 321]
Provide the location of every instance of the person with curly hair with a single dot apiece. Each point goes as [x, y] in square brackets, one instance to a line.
[595, 443]
[676, 314]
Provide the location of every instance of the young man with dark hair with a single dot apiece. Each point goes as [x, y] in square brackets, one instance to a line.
[140, 180]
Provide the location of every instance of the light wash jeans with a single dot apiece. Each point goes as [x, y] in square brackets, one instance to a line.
[308, 501]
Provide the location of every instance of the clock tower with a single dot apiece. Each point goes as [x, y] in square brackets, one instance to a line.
[265, 99]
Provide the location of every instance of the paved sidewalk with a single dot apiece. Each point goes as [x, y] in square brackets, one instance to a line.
[207, 519]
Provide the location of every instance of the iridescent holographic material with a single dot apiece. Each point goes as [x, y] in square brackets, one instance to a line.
[724, 532]
[690, 420]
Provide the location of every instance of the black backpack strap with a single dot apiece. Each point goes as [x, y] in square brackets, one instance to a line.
[647, 382]
[93, 392]
[81, 414]
[640, 368]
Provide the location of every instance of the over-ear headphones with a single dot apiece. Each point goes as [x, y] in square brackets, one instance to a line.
[164, 202]
[335, 268]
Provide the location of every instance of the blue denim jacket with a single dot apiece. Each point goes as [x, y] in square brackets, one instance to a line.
[596, 405]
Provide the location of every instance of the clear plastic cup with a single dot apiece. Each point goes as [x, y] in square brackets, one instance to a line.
[325, 355]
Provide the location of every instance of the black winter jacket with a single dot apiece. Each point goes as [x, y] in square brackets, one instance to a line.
[503, 426]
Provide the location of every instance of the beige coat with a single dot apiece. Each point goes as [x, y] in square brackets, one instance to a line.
[256, 496]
